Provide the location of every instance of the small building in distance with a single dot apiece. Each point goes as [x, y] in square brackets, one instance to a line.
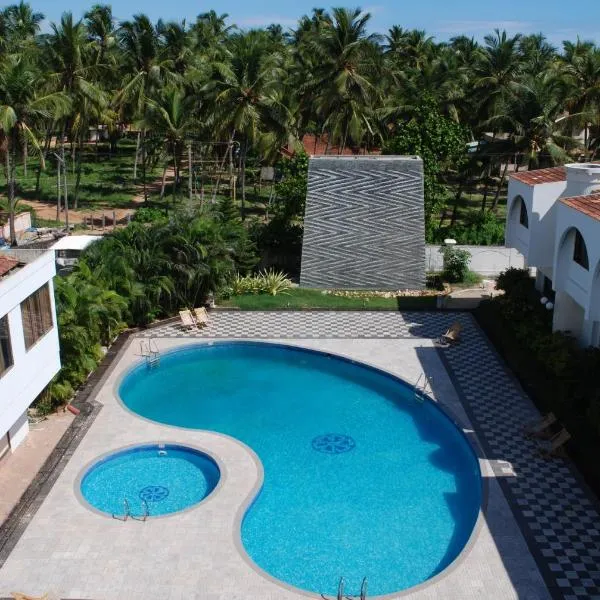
[68, 249]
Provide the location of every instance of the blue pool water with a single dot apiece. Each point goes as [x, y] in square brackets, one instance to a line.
[168, 478]
[360, 479]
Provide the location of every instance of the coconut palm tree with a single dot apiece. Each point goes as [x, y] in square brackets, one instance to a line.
[22, 105]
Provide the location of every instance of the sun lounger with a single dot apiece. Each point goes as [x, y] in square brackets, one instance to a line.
[452, 336]
[187, 320]
[540, 429]
[201, 317]
[555, 445]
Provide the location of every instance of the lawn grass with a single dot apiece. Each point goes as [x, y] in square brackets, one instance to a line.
[106, 181]
[305, 299]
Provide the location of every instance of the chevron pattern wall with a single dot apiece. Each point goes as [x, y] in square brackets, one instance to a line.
[364, 223]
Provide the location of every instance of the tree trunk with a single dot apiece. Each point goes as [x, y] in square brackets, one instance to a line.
[163, 182]
[58, 168]
[65, 189]
[47, 142]
[25, 157]
[78, 170]
[10, 190]
[137, 153]
[243, 167]
[144, 157]
[457, 200]
[497, 196]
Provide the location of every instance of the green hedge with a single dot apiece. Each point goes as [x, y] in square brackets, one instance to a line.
[556, 373]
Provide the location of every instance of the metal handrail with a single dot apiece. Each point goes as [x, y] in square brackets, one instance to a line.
[126, 510]
[146, 513]
[340, 593]
[363, 589]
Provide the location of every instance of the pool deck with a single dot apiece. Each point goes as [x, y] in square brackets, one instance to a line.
[537, 536]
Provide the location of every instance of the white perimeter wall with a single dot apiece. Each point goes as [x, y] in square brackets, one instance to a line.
[22, 222]
[32, 370]
[485, 260]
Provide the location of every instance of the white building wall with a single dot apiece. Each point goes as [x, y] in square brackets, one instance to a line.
[32, 370]
[581, 285]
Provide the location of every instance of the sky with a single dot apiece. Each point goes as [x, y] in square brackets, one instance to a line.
[557, 19]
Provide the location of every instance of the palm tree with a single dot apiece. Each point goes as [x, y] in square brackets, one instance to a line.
[100, 26]
[20, 25]
[145, 72]
[171, 114]
[21, 105]
[341, 83]
[69, 56]
[245, 96]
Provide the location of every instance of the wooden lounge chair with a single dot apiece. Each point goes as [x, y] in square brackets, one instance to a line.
[201, 317]
[187, 320]
[555, 445]
[452, 336]
[540, 429]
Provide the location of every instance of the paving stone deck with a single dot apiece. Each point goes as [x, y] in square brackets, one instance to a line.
[544, 525]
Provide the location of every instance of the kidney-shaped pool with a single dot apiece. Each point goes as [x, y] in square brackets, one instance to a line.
[360, 479]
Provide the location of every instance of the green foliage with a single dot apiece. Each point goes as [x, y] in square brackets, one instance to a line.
[477, 229]
[148, 214]
[439, 141]
[554, 369]
[512, 278]
[266, 282]
[456, 263]
[291, 191]
[280, 244]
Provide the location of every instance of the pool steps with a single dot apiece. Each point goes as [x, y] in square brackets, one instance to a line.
[127, 512]
[423, 387]
[149, 350]
[341, 585]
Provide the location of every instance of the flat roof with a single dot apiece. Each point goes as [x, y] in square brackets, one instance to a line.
[75, 242]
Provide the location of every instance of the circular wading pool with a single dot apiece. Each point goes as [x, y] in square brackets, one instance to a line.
[156, 479]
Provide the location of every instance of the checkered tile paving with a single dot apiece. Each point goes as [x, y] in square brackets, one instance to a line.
[558, 516]
[310, 325]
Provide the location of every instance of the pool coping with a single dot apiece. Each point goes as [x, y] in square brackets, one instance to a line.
[123, 449]
[470, 437]
[22, 514]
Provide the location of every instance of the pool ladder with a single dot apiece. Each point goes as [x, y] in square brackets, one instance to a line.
[342, 584]
[150, 352]
[423, 387]
[127, 512]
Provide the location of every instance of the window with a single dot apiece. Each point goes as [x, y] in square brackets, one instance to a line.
[6, 359]
[36, 312]
[523, 216]
[580, 255]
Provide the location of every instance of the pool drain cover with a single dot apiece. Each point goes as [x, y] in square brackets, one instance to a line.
[154, 493]
[333, 443]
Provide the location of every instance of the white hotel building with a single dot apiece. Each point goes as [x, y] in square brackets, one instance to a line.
[553, 219]
[29, 350]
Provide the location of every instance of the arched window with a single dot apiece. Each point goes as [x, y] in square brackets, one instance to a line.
[580, 255]
[523, 216]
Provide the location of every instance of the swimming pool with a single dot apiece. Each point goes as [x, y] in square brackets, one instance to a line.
[149, 480]
[360, 479]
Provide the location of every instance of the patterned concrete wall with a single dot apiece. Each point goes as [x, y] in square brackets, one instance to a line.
[364, 223]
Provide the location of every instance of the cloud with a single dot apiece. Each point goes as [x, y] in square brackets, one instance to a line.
[263, 20]
[374, 9]
[459, 27]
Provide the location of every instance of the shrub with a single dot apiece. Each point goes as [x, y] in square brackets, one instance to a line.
[456, 263]
[266, 282]
[148, 214]
[511, 278]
